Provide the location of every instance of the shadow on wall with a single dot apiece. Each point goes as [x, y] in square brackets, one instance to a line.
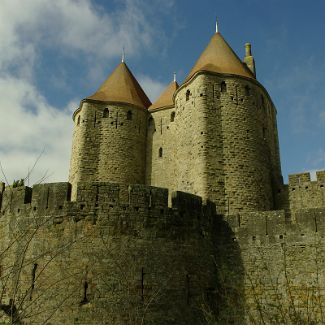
[150, 130]
[230, 301]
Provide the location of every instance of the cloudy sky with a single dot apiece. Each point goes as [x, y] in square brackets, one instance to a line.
[54, 53]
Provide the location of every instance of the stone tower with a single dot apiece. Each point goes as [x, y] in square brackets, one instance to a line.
[219, 135]
[161, 143]
[109, 136]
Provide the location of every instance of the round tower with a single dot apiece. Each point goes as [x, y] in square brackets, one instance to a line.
[109, 137]
[226, 127]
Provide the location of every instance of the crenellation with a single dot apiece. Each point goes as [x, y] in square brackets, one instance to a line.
[304, 193]
[276, 225]
[14, 199]
[320, 175]
[48, 197]
[297, 179]
[173, 211]
[185, 201]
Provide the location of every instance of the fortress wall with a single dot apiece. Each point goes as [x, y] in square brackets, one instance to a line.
[208, 100]
[117, 253]
[227, 135]
[246, 146]
[119, 249]
[284, 264]
[86, 145]
[109, 144]
[304, 193]
[122, 145]
[282, 198]
[191, 128]
[161, 136]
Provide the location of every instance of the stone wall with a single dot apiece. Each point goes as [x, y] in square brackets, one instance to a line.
[161, 148]
[304, 193]
[122, 253]
[284, 265]
[109, 144]
[117, 255]
[222, 144]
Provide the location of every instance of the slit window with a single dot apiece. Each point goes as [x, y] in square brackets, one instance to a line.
[264, 133]
[223, 87]
[188, 94]
[160, 153]
[247, 91]
[106, 113]
[78, 120]
[129, 115]
[172, 116]
[85, 289]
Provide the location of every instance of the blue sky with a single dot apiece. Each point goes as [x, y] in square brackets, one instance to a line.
[53, 54]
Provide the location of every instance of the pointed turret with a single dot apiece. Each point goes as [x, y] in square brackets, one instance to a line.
[110, 133]
[121, 87]
[219, 57]
[166, 98]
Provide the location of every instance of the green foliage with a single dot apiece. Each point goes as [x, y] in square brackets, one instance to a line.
[18, 183]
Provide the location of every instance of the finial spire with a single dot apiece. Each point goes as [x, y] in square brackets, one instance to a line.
[123, 54]
[174, 76]
[217, 30]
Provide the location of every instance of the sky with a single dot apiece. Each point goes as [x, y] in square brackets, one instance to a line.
[55, 53]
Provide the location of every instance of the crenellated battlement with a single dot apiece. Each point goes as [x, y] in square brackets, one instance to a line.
[302, 178]
[136, 206]
[271, 227]
[304, 193]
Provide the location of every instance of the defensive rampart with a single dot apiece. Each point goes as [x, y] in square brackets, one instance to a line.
[117, 254]
[126, 253]
[302, 192]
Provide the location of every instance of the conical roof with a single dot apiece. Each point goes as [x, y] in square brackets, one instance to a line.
[219, 57]
[121, 86]
[166, 98]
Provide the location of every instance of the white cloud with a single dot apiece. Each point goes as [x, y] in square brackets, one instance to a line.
[76, 27]
[69, 28]
[151, 87]
[31, 126]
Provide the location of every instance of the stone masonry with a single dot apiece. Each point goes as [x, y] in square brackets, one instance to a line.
[174, 213]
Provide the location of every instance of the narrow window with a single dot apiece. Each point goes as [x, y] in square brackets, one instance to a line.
[150, 121]
[172, 116]
[262, 100]
[129, 115]
[188, 94]
[264, 133]
[223, 87]
[188, 289]
[247, 91]
[85, 289]
[34, 275]
[78, 120]
[160, 152]
[33, 281]
[106, 113]
[142, 284]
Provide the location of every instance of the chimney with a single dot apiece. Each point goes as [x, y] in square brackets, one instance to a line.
[249, 59]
